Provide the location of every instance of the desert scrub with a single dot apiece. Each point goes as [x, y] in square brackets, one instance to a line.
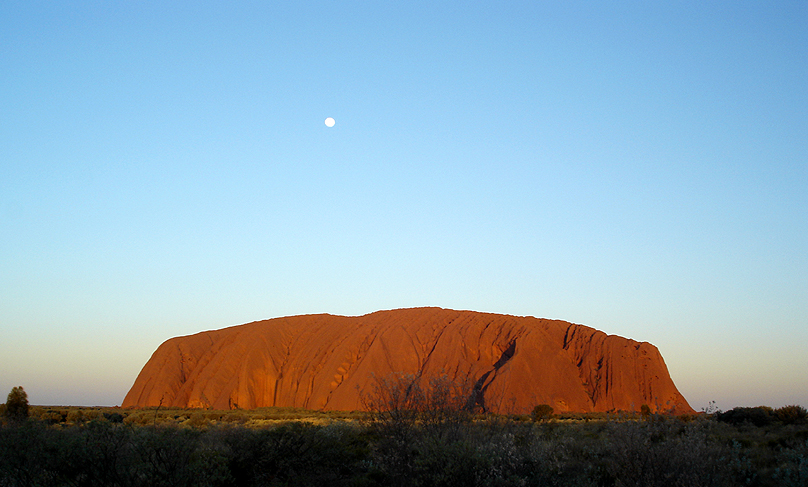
[483, 451]
[792, 466]
[669, 453]
[170, 456]
[791, 414]
[294, 454]
[197, 420]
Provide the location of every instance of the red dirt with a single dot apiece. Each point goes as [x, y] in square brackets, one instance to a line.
[327, 362]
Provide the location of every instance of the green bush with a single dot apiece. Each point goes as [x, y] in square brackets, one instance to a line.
[17, 404]
[791, 414]
[140, 418]
[197, 419]
[542, 412]
[76, 416]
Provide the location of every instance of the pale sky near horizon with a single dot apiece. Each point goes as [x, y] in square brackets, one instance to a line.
[637, 167]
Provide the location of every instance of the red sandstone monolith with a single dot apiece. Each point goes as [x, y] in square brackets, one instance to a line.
[328, 362]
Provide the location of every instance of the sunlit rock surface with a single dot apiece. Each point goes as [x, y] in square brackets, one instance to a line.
[328, 362]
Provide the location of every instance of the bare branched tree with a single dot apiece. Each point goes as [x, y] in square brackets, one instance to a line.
[400, 402]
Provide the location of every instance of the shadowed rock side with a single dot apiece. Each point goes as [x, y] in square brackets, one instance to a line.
[328, 362]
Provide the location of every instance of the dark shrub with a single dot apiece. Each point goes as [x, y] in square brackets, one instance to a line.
[102, 454]
[792, 466]
[294, 454]
[542, 412]
[114, 417]
[439, 464]
[758, 416]
[33, 454]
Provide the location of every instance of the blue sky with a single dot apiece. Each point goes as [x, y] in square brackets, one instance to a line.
[638, 168]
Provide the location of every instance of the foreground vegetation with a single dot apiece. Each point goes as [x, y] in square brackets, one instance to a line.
[431, 441]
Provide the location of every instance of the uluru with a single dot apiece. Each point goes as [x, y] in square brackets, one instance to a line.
[328, 362]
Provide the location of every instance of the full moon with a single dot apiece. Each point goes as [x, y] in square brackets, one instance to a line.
[329, 122]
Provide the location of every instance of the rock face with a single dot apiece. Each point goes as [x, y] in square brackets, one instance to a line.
[328, 362]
